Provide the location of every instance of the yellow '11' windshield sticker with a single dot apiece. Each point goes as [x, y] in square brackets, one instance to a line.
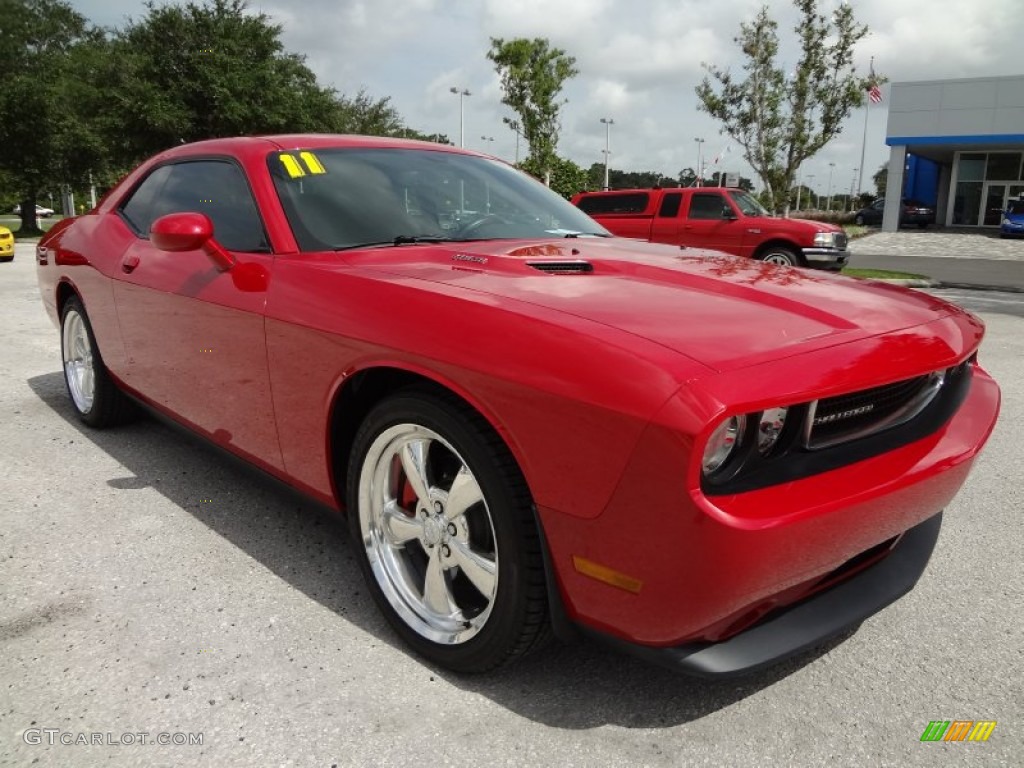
[295, 169]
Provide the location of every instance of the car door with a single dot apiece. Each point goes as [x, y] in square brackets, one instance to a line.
[876, 211]
[194, 334]
[711, 222]
[665, 227]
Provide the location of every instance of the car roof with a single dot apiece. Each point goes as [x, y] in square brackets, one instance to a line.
[249, 144]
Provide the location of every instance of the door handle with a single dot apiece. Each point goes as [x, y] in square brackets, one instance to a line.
[129, 263]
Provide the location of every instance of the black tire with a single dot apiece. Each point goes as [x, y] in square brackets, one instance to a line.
[782, 255]
[107, 406]
[483, 632]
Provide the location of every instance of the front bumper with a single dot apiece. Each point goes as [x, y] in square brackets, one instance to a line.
[806, 624]
[826, 258]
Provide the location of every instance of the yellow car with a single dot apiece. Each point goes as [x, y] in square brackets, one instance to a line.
[6, 244]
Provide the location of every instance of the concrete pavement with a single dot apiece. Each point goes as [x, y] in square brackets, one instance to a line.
[953, 259]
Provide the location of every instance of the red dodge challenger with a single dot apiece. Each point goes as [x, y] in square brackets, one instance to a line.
[533, 427]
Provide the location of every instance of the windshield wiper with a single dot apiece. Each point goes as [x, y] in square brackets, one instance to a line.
[573, 235]
[398, 240]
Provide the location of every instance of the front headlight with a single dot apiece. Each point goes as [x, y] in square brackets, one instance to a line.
[1007, 223]
[772, 422]
[825, 239]
[723, 443]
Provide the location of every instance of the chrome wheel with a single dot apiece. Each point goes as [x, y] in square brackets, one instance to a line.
[781, 256]
[428, 534]
[79, 368]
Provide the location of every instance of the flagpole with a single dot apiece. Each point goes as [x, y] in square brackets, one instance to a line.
[864, 141]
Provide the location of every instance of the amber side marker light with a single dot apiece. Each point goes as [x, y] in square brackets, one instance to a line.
[606, 574]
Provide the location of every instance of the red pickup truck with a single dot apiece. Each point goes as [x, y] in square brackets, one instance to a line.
[720, 218]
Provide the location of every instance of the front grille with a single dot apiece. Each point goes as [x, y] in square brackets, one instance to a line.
[840, 241]
[563, 267]
[858, 414]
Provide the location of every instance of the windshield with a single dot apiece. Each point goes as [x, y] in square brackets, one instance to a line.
[1015, 206]
[747, 204]
[354, 197]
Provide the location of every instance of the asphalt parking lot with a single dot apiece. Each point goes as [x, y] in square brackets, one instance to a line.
[150, 586]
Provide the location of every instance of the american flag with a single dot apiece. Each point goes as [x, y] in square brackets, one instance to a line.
[874, 92]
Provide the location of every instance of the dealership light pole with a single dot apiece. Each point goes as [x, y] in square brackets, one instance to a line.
[515, 127]
[608, 123]
[462, 113]
[700, 162]
[810, 189]
[831, 167]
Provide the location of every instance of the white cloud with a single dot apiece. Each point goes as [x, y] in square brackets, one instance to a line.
[639, 62]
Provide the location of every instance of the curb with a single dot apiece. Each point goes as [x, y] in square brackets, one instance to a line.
[976, 287]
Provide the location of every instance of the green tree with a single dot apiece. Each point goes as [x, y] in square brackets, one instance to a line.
[532, 74]
[881, 178]
[197, 71]
[365, 115]
[567, 178]
[48, 134]
[780, 122]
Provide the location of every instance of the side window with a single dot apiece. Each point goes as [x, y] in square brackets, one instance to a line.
[706, 206]
[214, 187]
[878, 205]
[670, 205]
[633, 202]
[139, 210]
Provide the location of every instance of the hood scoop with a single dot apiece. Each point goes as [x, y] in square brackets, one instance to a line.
[572, 267]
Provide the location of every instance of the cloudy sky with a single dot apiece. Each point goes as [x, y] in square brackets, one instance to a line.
[639, 61]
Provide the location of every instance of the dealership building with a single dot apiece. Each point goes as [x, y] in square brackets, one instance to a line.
[957, 145]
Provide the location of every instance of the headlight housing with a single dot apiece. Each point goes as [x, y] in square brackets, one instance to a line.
[770, 426]
[723, 444]
[825, 239]
[745, 442]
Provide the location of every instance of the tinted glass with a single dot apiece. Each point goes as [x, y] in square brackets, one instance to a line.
[706, 206]
[140, 208]
[355, 197]
[632, 202]
[1015, 206]
[1003, 166]
[670, 204]
[972, 167]
[748, 204]
[216, 188]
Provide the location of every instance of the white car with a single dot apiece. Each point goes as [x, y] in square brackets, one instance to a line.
[40, 211]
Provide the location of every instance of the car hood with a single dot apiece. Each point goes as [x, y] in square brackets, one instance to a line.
[723, 311]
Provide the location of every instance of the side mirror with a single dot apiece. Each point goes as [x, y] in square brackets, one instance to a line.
[178, 232]
[728, 213]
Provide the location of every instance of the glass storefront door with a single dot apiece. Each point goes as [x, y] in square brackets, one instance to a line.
[996, 198]
[985, 181]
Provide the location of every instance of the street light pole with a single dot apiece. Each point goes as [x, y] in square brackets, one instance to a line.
[831, 167]
[608, 123]
[515, 127]
[462, 113]
[853, 186]
[700, 163]
[810, 189]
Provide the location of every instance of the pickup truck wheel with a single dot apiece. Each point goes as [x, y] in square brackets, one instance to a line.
[780, 254]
